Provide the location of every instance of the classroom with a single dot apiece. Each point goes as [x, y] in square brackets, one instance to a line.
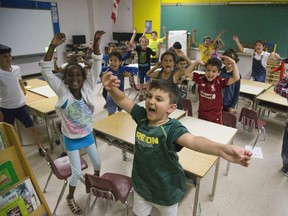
[214, 187]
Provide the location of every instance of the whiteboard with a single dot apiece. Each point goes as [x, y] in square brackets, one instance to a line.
[180, 36]
[26, 31]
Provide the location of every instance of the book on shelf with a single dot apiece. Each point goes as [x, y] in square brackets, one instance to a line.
[8, 176]
[3, 144]
[23, 191]
[15, 207]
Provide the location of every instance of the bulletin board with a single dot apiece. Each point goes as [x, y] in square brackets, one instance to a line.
[249, 22]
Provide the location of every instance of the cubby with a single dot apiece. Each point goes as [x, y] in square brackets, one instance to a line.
[13, 152]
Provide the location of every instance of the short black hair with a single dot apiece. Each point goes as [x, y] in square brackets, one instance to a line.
[214, 62]
[232, 54]
[261, 41]
[168, 53]
[180, 59]
[167, 86]
[4, 49]
[117, 54]
[177, 45]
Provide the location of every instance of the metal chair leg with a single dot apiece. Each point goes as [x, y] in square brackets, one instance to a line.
[60, 196]
[86, 211]
[44, 190]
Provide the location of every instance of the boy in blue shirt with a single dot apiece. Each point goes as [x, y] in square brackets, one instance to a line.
[231, 92]
[157, 176]
[115, 66]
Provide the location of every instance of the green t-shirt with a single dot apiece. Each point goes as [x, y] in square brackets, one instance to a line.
[157, 174]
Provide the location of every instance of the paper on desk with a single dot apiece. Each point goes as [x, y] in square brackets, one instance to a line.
[257, 151]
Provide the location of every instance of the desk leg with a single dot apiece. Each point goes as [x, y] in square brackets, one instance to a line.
[197, 190]
[124, 156]
[49, 133]
[212, 195]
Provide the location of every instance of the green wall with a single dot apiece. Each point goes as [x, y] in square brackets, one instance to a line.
[249, 22]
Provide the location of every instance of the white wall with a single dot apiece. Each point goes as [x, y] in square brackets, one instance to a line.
[84, 17]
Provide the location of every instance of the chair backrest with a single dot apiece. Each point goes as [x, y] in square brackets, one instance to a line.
[187, 106]
[132, 83]
[248, 117]
[52, 164]
[101, 187]
[229, 119]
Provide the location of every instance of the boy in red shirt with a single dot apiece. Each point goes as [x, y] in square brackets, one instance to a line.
[210, 86]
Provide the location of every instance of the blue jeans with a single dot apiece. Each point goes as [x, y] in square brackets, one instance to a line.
[284, 152]
[74, 157]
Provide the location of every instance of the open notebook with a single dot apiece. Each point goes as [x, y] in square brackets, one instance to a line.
[45, 91]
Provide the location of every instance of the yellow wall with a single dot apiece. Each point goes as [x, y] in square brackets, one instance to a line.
[147, 10]
[216, 1]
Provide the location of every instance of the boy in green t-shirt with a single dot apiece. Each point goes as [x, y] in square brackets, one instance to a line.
[158, 178]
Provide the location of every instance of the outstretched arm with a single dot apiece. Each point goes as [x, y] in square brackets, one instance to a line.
[132, 40]
[194, 32]
[218, 37]
[190, 69]
[239, 45]
[151, 73]
[235, 73]
[96, 43]
[58, 39]
[111, 84]
[230, 153]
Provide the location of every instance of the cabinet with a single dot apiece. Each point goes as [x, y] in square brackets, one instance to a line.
[14, 153]
[272, 77]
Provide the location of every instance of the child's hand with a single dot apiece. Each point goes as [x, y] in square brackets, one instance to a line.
[134, 31]
[80, 59]
[226, 59]
[98, 36]
[194, 31]
[235, 38]
[58, 39]
[109, 80]
[179, 53]
[55, 58]
[126, 74]
[158, 65]
[236, 154]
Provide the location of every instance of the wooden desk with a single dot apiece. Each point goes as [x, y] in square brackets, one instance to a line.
[113, 130]
[251, 89]
[272, 101]
[40, 106]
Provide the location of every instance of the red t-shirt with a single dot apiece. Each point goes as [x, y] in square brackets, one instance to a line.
[210, 97]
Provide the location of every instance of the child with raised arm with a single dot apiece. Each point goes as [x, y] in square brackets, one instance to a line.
[154, 42]
[115, 66]
[260, 58]
[231, 92]
[158, 177]
[12, 98]
[144, 53]
[210, 86]
[207, 47]
[75, 106]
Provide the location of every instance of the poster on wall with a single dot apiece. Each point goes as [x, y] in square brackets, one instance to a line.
[148, 26]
